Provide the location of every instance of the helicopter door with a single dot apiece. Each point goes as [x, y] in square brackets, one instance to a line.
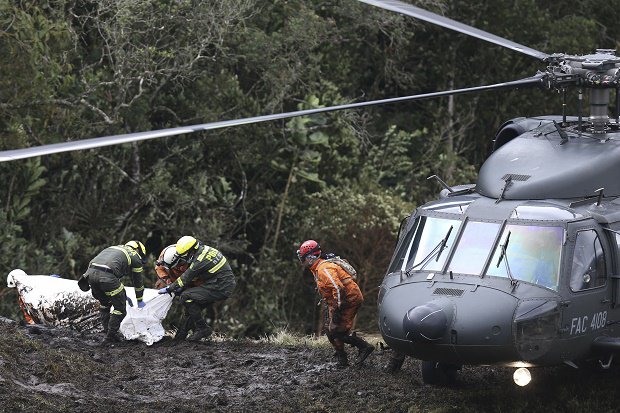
[587, 309]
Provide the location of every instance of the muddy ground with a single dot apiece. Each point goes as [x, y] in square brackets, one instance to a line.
[61, 370]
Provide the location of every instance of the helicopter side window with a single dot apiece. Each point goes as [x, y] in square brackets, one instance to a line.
[430, 246]
[589, 269]
[530, 253]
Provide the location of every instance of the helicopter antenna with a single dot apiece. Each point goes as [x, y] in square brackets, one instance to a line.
[441, 182]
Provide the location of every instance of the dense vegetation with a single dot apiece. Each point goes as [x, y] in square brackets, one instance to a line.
[72, 69]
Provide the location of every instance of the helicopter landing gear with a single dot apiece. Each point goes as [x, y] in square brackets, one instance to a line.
[439, 373]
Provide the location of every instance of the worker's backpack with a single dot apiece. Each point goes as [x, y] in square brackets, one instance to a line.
[344, 264]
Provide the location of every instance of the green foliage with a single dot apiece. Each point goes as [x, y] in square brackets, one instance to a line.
[74, 69]
[360, 227]
[25, 183]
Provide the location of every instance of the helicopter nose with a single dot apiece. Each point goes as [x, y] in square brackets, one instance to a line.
[427, 322]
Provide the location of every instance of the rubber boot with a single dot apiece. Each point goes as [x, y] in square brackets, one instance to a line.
[341, 358]
[364, 348]
[104, 316]
[396, 362]
[184, 326]
[202, 331]
[113, 335]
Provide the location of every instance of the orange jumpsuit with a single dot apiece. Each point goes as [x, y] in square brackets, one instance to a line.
[341, 294]
[165, 275]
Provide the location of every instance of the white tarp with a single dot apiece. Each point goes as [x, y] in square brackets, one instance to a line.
[60, 302]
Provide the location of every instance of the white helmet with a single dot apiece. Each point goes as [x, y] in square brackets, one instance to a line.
[169, 255]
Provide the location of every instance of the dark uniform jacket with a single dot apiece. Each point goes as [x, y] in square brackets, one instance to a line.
[208, 265]
[121, 261]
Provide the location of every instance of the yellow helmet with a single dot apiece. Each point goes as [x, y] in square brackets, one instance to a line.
[139, 247]
[186, 244]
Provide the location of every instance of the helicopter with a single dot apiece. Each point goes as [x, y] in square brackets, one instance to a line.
[519, 269]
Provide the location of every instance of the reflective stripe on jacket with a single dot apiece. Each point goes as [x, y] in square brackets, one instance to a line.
[206, 264]
[336, 285]
[123, 261]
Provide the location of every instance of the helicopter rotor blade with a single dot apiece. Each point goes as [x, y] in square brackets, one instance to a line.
[413, 11]
[91, 143]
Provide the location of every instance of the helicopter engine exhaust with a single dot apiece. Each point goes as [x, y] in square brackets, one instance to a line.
[428, 322]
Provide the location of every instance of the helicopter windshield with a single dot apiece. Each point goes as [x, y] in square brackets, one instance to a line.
[532, 254]
[426, 249]
[473, 249]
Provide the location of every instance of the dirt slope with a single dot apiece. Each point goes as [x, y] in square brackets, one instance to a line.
[59, 370]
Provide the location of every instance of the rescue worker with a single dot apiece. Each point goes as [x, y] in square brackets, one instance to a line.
[166, 269]
[343, 298]
[104, 275]
[205, 264]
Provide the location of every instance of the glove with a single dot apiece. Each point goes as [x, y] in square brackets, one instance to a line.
[141, 304]
[129, 302]
[163, 291]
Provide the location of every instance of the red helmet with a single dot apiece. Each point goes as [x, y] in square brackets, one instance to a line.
[310, 247]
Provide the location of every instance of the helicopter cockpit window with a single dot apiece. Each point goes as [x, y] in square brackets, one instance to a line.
[399, 258]
[451, 207]
[544, 212]
[589, 270]
[529, 253]
[473, 248]
[430, 246]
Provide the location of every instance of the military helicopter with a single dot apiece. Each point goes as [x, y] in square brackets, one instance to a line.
[518, 269]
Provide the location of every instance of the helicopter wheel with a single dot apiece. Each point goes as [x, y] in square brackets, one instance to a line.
[436, 373]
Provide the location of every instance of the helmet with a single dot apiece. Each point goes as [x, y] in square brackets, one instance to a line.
[185, 245]
[139, 247]
[169, 256]
[307, 248]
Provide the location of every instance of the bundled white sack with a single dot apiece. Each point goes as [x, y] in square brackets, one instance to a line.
[144, 324]
[60, 302]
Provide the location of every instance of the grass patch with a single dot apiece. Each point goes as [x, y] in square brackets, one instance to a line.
[286, 338]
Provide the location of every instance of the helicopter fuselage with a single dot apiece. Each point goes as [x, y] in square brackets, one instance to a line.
[520, 269]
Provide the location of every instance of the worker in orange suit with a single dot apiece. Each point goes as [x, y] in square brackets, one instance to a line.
[343, 298]
[166, 268]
